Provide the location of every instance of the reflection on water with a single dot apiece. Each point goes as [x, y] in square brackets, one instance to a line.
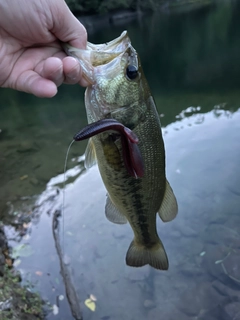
[201, 280]
[192, 64]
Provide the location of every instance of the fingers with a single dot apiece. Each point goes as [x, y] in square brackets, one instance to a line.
[73, 72]
[67, 70]
[53, 70]
[67, 28]
[31, 82]
[48, 75]
[42, 78]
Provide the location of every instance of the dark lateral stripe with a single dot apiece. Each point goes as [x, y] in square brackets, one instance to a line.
[141, 215]
[143, 225]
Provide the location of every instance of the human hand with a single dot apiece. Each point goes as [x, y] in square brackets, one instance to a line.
[31, 57]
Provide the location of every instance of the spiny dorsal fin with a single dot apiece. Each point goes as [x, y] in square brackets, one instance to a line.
[169, 207]
[138, 256]
[113, 214]
[90, 155]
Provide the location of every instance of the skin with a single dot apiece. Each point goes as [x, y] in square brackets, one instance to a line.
[115, 96]
[118, 95]
[31, 57]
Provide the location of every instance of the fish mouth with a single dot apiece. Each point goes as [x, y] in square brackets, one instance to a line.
[97, 55]
[117, 45]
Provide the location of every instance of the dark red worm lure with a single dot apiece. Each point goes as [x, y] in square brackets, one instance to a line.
[131, 154]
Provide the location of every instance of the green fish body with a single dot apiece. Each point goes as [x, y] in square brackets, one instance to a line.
[119, 90]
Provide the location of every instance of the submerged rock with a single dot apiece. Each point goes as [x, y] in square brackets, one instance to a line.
[27, 146]
[211, 260]
[231, 266]
[34, 181]
[187, 231]
[220, 234]
[166, 312]
[227, 291]
[201, 297]
[232, 311]
[192, 270]
[3, 248]
[138, 274]
[6, 305]
[148, 304]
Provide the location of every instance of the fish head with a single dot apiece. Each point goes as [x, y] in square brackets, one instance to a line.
[117, 83]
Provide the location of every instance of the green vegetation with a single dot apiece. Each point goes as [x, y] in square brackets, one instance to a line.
[18, 302]
[98, 6]
[104, 6]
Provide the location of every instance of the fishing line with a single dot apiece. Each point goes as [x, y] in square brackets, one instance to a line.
[64, 183]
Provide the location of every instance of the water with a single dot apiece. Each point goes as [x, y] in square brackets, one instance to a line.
[192, 64]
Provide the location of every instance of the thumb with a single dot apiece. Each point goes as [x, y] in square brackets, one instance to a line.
[66, 27]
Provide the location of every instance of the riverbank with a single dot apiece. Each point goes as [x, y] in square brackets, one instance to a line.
[16, 301]
[122, 16]
[98, 7]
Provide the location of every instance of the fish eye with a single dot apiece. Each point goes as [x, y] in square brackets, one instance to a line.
[131, 72]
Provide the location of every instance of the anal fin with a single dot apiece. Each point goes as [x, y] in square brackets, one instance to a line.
[169, 207]
[113, 214]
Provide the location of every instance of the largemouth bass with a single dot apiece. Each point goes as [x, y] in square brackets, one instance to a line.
[119, 90]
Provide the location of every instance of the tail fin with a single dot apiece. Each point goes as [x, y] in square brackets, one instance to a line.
[138, 256]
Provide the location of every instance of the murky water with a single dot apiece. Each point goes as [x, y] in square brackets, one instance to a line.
[192, 64]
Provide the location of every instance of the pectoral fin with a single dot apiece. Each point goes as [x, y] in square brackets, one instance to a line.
[90, 155]
[169, 207]
[113, 214]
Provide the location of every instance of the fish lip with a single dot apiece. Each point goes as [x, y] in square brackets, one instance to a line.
[122, 41]
[98, 55]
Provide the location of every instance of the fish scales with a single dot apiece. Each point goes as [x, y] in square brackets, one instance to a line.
[133, 196]
[119, 90]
